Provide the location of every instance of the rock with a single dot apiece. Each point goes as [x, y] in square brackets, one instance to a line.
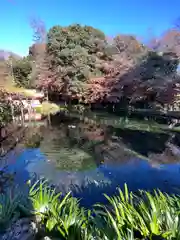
[23, 229]
[48, 238]
[38, 219]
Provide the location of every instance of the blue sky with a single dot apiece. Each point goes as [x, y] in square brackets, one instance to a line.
[140, 17]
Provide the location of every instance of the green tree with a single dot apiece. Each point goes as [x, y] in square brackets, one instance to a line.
[21, 71]
[77, 53]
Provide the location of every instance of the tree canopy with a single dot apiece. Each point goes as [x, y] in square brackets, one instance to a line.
[22, 70]
[81, 62]
[77, 53]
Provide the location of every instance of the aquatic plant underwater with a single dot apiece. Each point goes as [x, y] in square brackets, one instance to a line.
[126, 216]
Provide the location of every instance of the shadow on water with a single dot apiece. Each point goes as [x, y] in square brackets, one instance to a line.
[91, 159]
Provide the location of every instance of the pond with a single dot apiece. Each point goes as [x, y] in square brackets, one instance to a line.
[96, 154]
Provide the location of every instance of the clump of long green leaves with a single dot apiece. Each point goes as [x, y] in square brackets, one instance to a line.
[126, 217]
[40, 199]
[8, 209]
[145, 217]
[61, 215]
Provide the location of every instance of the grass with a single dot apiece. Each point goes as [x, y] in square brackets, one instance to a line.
[47, 108]
[10, 88]
[126, 217]
[125, 123]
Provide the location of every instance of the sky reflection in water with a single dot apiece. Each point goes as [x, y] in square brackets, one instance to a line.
[91, 184]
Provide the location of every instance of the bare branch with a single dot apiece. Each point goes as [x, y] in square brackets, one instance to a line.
[39, 29]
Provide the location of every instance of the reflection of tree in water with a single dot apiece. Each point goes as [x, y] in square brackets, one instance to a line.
[153, 146]
[137, 138]
[170, 155]
[69, 146]
[74, 144]
[143, 142]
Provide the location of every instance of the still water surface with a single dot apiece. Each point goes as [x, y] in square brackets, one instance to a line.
[91, 158]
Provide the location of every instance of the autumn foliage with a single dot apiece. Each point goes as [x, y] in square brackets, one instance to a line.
[79, 62]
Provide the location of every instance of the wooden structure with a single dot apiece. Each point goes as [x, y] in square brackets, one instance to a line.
[13, 132]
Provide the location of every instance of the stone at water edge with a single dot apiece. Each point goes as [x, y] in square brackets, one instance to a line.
[23, 229]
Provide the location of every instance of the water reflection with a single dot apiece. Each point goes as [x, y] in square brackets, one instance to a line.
[90, 159]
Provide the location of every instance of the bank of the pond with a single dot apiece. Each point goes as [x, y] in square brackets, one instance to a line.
[43, 213]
